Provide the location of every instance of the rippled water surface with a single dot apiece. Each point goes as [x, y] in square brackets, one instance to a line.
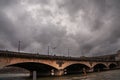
[108, 75]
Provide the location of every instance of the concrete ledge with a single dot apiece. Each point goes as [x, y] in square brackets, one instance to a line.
[15, 75]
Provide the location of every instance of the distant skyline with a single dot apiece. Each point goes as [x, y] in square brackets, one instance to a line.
[85, 27]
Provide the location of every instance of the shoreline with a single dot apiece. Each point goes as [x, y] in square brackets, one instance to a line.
[27, 75]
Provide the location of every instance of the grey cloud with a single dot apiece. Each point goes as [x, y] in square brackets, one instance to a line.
[38, 1]
[101, 19]
[6, 31]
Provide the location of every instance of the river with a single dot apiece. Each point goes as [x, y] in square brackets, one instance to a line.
[107, 75]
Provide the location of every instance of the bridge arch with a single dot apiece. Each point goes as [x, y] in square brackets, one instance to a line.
[99, 67]
[72, 63]
[30, 65]
[40, 68]
[76, 68]
[112, 65]
[12, 61]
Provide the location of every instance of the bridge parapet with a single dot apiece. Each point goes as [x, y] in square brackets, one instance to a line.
[53, 57]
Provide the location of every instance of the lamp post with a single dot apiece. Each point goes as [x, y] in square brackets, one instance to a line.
[53, 50]
[19, 46]
[48, 50]
[68, 52]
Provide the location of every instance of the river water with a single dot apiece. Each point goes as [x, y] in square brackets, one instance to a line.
[107, 75]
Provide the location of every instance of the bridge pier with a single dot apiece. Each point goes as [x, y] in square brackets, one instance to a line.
[34, 75]
[91, 69]
[107, 68]
[59, 72]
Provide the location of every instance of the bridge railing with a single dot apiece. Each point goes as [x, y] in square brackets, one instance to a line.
[38, 56]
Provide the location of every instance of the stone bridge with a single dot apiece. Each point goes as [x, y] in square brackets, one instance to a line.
[58, 65]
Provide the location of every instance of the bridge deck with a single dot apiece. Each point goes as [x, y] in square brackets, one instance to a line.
[51, 57]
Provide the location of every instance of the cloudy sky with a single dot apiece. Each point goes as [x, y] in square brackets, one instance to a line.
[86, 27]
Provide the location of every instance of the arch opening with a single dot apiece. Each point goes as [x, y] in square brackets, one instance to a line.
[112, 66]
[99, 67]
[76, 69]
[41, 69]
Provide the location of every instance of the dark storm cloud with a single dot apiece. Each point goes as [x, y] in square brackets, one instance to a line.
[87, 27]
[6, 31]
[4, 3]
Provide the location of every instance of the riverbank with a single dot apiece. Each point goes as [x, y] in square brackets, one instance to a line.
[14, 72]
[20, 72]
[15, 75]
[105, 75]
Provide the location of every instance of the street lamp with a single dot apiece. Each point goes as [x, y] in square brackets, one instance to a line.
[19, 46]
[68, 52]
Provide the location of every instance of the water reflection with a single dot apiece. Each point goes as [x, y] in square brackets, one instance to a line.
[108, 75]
